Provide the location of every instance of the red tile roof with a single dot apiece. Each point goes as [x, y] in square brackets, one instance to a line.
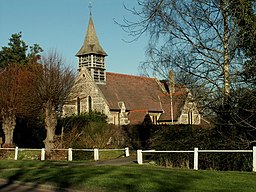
[142, 95]
[137, 93]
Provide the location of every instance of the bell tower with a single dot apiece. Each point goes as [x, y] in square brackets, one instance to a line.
[92, 56]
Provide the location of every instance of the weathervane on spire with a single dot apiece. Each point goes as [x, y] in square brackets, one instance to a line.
[90, 7]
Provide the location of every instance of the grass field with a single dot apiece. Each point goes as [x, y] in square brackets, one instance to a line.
[134, 178]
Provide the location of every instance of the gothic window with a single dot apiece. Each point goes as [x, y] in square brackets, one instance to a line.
[89, 103]
[154, 119]
[78, 105]
[190, 117]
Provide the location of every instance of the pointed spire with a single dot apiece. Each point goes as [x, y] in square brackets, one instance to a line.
[91, 43]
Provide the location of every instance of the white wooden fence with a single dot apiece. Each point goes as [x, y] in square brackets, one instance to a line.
[196, 152]
[69, 152]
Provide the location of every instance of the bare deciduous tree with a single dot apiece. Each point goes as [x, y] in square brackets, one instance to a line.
[52, 83]
[194, 36]
[202, 41]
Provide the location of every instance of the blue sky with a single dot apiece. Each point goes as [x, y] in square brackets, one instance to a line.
[62, 24]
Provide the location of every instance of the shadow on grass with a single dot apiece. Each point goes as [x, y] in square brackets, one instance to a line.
[102, 178]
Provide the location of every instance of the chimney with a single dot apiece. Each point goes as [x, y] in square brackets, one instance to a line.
[171, 82]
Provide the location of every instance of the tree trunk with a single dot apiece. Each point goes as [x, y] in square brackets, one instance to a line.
[226, 52]
[8, 125]
[225, 109]
[50, 126]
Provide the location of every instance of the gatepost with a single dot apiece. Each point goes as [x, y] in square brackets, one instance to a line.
[127, 154]
[42, 154]
[195, 158]
[139, 157]
[70, 158]
[16, 153]
[96, 154]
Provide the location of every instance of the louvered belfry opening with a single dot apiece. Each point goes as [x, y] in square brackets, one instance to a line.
[92, 55]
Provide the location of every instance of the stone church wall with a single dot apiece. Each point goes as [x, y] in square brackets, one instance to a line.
[190, 113]
[85, 94]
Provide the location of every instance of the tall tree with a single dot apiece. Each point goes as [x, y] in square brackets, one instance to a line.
[14, 76]
[52, 81]
[195, 36]
[244, 12]
[17, 52]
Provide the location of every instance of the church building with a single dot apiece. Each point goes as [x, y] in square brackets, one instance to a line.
[125, 99]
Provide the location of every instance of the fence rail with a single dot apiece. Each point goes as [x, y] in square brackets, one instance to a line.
[69, 152]
[196, 152]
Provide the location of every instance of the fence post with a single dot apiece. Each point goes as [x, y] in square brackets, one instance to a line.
[96, 154]
[139, 157]
[43, 154]
[254, 159]
[195, 158]
[70, 158]
[16, 153]
[127, 154]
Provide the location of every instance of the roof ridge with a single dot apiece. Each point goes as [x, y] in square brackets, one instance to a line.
[135, 76]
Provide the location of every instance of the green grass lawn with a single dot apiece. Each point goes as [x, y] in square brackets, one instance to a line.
[134, 178]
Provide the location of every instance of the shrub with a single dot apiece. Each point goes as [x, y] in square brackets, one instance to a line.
[186, 137]
[89, 130]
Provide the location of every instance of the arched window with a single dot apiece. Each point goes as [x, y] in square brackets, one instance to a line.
[190, 117]
[89, 103]
[78, 105]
